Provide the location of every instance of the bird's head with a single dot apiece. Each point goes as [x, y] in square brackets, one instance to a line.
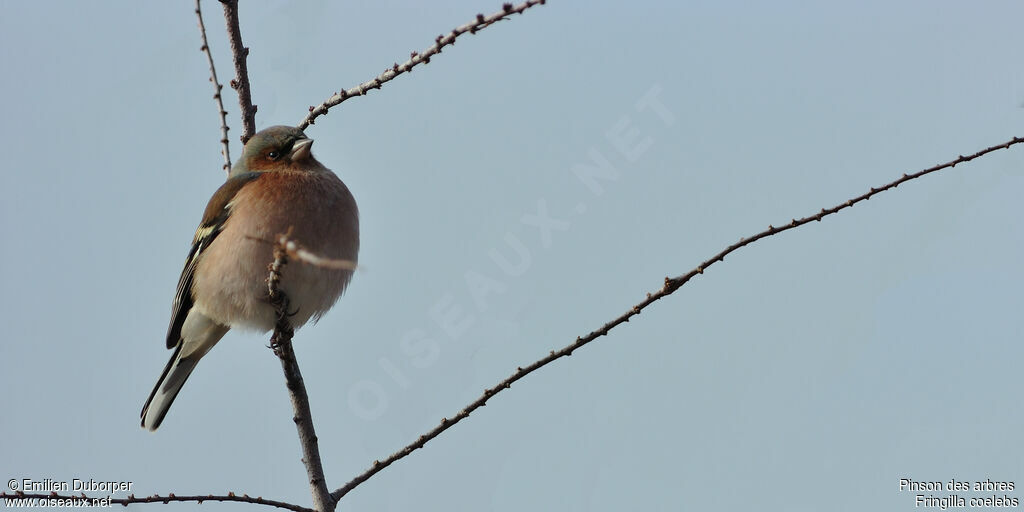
[278, 148]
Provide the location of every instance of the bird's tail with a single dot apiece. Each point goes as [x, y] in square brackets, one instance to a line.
[175, 374]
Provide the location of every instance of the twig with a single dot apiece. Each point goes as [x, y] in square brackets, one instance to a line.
[281, 343]
[216, 94]
[296, 251]
[670, 286]
[241, 81]
[156, 498]
[479, 23]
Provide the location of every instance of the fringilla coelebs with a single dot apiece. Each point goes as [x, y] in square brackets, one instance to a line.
[275, 186]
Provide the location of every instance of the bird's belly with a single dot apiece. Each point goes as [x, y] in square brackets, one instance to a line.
[232, 296]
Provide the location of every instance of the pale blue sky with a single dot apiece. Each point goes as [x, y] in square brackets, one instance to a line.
[810, 371]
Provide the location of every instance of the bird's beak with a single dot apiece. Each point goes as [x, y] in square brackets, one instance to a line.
[300, 150]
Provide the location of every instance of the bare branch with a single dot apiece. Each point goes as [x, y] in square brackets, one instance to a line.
[241, 81]
[216, 92]
[281, 343]
[670, 285]
[478, 23]
[156, 498]
[296, 251]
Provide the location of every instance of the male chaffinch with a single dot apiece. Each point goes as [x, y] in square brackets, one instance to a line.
[275, 186]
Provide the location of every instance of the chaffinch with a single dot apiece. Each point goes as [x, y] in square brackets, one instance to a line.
[275, 186]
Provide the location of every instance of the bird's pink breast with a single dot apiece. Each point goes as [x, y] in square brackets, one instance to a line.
[230, 283]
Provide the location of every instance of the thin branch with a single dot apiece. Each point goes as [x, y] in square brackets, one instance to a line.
[241, 81]
[296, 251]
[670, 285]
[216, 92]
[281, 343]
[131, 499]
[478, 23]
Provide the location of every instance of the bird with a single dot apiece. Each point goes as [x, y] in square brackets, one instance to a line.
[276, 186]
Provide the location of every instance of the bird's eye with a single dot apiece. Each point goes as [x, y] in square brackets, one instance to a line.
[274, 155]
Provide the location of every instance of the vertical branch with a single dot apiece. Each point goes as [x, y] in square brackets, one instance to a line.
[241, 81]
[216, 94]
[281, 343]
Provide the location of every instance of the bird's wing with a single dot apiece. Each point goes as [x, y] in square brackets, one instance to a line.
[217, 212]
